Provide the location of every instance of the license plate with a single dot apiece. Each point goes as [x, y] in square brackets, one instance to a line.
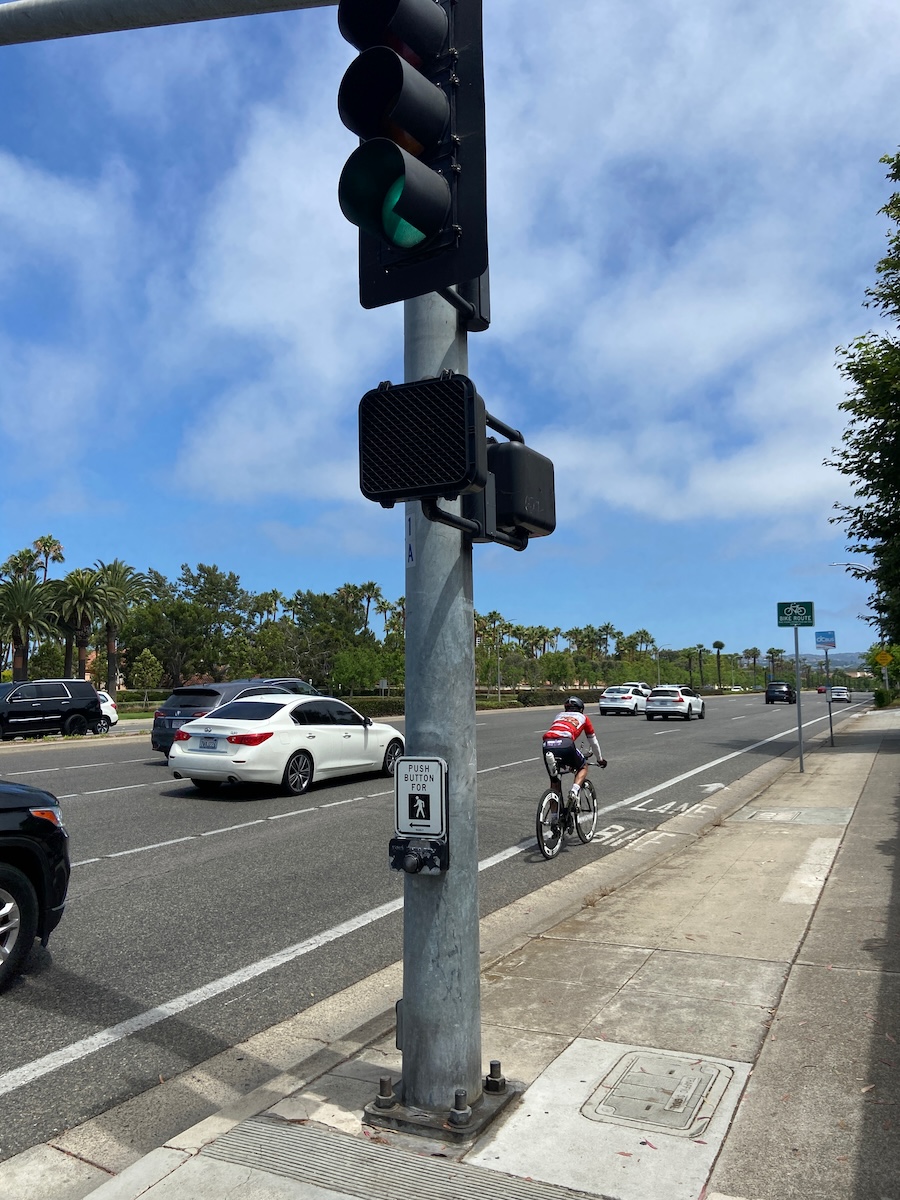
[209, 743]
[175, 723]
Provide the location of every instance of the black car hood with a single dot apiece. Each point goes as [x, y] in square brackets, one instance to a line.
[23, 795]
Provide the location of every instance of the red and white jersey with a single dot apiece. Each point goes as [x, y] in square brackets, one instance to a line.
[571, 725]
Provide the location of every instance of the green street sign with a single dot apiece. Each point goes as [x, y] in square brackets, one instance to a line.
[796, 612]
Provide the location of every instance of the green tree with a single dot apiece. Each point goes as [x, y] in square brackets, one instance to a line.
[25, 612]
[753, 654]
[82, 598]
[49, 550]
[146, 672]
[126, 587]
[870, 455]
[719, 647]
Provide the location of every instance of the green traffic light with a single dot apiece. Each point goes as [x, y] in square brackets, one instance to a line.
[389, 194]
[397, 231]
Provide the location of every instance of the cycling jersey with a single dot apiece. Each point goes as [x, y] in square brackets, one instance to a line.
[571, 725]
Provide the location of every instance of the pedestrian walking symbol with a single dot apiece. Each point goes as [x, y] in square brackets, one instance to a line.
[420, 797]
[419, 807]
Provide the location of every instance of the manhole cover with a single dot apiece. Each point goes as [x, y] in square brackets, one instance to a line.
[665, 1092]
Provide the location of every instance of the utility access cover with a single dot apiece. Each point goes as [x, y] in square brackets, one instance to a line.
[666, 1092]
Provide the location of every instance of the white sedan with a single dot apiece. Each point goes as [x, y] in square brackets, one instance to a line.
[622, 698]
[288, 741]
[673, 700]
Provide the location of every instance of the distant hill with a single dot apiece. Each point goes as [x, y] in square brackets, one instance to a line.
[835, 660]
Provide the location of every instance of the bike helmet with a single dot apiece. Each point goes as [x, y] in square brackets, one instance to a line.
[573, 704]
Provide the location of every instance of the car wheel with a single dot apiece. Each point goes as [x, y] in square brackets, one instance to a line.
[634, 711]
[298, 773]
[207, 787]
[687, 716]
[702, 712]
[393, 752]
[75, 725]
[649, 716]
[102, 725]
[18, 920]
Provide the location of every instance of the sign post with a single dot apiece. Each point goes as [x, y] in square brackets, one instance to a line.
[884, 658]
[796, 613]
[825, 641]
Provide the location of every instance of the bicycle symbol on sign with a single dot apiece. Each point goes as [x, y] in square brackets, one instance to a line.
[795, 610]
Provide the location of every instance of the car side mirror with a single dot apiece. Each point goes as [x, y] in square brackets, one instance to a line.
[367, 720]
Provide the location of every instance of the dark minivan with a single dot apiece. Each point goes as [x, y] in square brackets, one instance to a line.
[779, 692]
[69, 706]
[34, 871]
[196, 700]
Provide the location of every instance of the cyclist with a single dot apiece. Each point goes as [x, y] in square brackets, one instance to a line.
[559, 744]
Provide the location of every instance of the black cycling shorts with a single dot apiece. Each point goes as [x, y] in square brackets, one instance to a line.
[564, 751]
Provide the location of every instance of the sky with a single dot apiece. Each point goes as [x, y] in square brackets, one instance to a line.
[683, 220]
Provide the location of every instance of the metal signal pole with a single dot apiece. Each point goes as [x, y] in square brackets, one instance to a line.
[440, 1016]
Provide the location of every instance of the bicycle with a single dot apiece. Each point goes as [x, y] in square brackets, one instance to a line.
[557, 815]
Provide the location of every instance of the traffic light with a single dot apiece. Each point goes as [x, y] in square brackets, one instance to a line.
[422, 440]
[416, 185]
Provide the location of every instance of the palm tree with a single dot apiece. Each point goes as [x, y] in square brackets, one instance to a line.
[701, 650]
[49, 550]
[371, 593]
[25, 610]
[80, 599]
[21, 565]
[774, 655]
[607, 633]
[127, 587]
[719, 647]
[753, 654]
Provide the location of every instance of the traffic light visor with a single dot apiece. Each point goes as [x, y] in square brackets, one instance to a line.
[389, 194]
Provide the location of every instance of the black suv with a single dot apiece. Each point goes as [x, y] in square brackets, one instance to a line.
[49, 706]
[34, 871]
[780, 691]
[197, 699]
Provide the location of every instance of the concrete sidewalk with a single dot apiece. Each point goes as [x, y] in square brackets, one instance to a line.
[710, 1012]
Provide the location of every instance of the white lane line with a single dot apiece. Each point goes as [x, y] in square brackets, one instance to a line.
[660, 732]
[808, 880]
[742, 717]
[10, 1081]
[139, 849]
[45, 771]
[715, 762]
[229, 828]
[274, 817]
[75, 767]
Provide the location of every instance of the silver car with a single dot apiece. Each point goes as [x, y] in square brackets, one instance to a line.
[622, 699]
[673, 700]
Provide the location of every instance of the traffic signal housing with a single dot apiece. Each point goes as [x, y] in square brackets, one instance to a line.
[416, 185]
[420, 441]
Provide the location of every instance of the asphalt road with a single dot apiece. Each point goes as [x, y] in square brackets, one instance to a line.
[194, 922]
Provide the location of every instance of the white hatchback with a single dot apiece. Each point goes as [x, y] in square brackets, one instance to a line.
[287, 741]
[622, 699]
[673, 700]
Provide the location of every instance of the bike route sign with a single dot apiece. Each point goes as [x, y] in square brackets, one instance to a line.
[420, 794]
[796, 612]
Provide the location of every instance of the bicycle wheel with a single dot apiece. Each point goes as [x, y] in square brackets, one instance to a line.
[586, 812]
[548, 825]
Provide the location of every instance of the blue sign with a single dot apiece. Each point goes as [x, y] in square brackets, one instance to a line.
[825, 639]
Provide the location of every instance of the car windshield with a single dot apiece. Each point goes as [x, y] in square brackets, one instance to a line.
[247, 710]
